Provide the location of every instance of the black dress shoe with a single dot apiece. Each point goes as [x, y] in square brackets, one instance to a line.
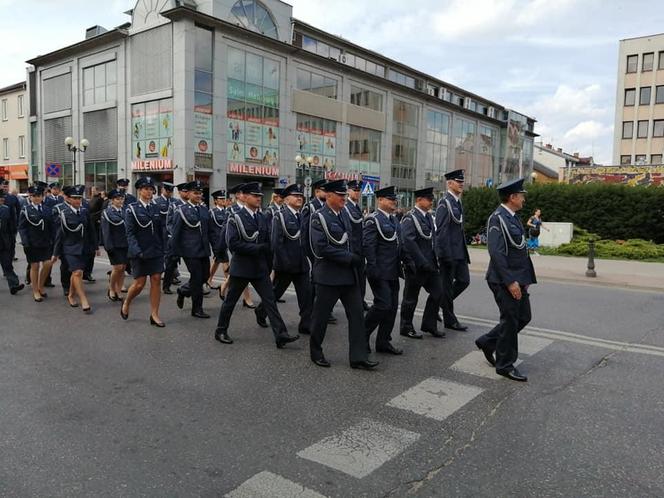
[251, 306]
[332, 319]
[222, 336]
[200, 314]
[457, 326]
[514, 374]
[180, 301]
[89, 278]
[488, 354]
[364, 365]
[411, 334]
[282, 340]
[389, 349]
[16, 289]
[435, 333]
[321, 362]
[260, 320]
[167, 290]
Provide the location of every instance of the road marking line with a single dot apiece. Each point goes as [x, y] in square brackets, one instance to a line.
[435, 398]
[532, 345]
[360, 449]
[474, 363]
[268, 485]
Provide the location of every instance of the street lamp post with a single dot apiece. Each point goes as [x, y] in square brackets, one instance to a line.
[299, 160]
[75, 149]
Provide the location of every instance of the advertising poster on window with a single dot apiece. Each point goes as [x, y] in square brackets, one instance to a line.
[317, 138]
[152, 135]
[203, 140]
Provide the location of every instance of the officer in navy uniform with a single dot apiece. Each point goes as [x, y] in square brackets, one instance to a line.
[451, 249]
[420, 266]
[218, 217]
[65, 274]
[37, 233]
[509, 275]
[54, 197]
[75, 240]
[290, 262]
[354, 212]
[122, 185]
[7, 243]
[170, 260]
[275, 205]
[248, 240]
[11, 201]
[114, 236]
[381, 249]
[190, 241]
[145, 240]
[336, 277]
[42, 187]
[165, 200]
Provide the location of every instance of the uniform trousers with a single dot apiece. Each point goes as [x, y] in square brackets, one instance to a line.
[411, 293]
[263, 287]
[503, 338]
[89, 265]
[7, 263]
[363, 278]
[199, 270]
[455, 278]
[383, 312]
[351, 298]
[171, 266]
[305, 300]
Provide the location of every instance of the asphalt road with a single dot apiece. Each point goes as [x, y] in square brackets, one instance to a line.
[94, 406]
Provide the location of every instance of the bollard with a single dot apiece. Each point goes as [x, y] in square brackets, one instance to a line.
[590, 272]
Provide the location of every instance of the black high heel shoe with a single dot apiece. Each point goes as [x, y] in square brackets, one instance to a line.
[74, 305]
[38, 299]
[122, 313]
[88, 310]
[247, 305]
[154, 322]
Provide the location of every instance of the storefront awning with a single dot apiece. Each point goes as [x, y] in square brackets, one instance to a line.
[14, 171]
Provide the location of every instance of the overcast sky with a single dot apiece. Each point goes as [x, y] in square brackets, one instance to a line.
[555, 60]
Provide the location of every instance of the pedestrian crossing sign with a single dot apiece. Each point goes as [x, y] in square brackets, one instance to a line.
[368, 189]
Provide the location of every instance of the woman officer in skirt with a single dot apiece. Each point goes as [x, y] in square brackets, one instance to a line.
[35, 226]
[145, 239]
[114, 237]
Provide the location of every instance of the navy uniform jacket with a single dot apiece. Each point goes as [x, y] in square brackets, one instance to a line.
[450, 237]
[75, 233]
[12, 202]
[271, 210]
[145, 235]
[381, 252]
[290, 255]
[417, 251]
[356, 219]
[7, 228]
[218, 218]
[307, 210]
[507, 263]
[52, 200]
[332, 261]
[129, 199]
[251, 258]
[191, 227]
[113, 232]
[163, 204]
[36, 227]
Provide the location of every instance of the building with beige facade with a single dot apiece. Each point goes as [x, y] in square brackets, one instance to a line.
[639, 121]
[14, 151]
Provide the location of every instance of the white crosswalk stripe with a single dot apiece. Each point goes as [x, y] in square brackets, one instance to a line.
[435, 398]
[268, 485]
[360, 449]
[474, 363]
[532, 345]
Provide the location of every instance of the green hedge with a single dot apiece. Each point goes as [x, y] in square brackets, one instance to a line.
[615, 212]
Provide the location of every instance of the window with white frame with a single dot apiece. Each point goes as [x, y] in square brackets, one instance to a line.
[19, 104]
[5, 148]
[21, 146]
[4, 109]
[100, 83]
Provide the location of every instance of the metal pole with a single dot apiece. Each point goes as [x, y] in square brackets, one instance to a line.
[590, 272]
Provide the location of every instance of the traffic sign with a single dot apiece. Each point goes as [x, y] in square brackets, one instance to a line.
[283, 181]
[53, 170]
[368, 189]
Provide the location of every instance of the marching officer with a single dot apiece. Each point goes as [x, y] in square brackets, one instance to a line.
[451, 249]
[145, 240]
[218, 217]
[54, 197]
[276, 203]
[164, 201]
[421, 268]
[354, 212]
[336, 277]
[248, 240]
[170, 261]
[290, 262]
[381, 249]
[75, 240]
[56, 212]
[37, 233]
[114, 236]
[7, 244]
[122, 185]
[509, 275]
[190, 241]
